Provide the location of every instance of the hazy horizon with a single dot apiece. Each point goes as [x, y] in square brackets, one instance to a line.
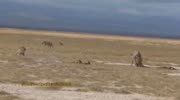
[155, 18]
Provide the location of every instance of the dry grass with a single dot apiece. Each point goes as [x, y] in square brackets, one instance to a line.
[83, 35]
[56, 65]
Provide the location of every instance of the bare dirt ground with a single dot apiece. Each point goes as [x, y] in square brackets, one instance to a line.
[35, 94]
[108, 77]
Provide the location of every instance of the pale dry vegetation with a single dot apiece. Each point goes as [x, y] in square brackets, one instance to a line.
[56, 64]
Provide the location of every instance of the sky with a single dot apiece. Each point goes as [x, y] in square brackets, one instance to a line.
[151, 18]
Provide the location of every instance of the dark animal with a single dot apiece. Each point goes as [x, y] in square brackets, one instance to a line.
[61, 44]
[81, 62]
[48, 43]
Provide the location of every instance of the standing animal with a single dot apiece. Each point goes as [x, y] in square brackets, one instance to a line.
[21, 51]
[137, 59]
[48, 43]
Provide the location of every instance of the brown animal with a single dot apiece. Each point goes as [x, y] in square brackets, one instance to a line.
[81, 62]
[61, 44]
[47, 43]
[87, 63]
[21, 51]
[137, 59]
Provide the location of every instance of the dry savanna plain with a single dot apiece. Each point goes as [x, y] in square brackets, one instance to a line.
[52, 73]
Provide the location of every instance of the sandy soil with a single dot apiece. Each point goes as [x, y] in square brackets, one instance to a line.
[35, 94]
[127, 64]
[109, 77]
[82, 35]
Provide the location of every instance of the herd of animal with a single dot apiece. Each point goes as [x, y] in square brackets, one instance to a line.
[21, 50]
[136, 56]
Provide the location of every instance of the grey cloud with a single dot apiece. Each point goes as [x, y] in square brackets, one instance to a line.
[158, 1]
[133, 7]
[125, 13]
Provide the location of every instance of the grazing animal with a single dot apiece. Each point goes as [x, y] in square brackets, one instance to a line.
[137, 59]
[48, 43]
[21, 51]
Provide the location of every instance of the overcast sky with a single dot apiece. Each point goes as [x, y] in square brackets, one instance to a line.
[137, 7]
[125, 13]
